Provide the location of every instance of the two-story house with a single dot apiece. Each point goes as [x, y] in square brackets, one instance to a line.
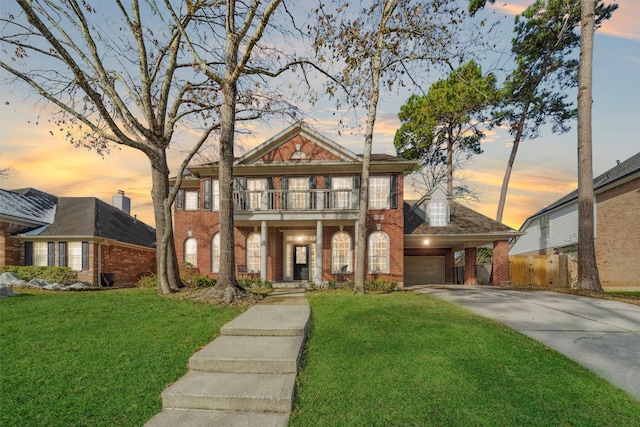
[296, 210]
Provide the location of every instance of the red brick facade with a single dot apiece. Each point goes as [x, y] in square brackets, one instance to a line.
[10, 249]
[618, 235]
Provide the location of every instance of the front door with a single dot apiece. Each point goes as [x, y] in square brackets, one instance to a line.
[301, 262]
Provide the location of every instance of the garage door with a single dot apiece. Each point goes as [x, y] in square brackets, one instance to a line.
[423, 270]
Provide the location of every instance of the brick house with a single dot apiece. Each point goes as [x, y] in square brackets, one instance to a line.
[104, 244]
[554, 229]
[295, 214]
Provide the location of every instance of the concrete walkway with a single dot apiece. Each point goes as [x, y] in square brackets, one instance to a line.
[602, 335]
[246, 376]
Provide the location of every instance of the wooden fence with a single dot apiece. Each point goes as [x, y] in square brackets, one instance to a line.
[551, 271]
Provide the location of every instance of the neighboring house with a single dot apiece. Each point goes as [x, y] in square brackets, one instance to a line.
[84, 233]
[295, 213]
[554, 229]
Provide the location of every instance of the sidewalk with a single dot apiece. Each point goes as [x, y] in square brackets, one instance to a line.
[246, 376]
[602, 335]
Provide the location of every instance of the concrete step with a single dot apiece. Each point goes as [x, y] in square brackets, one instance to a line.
[231, 392]
[199, 418]
[271, 319]
[249, 354]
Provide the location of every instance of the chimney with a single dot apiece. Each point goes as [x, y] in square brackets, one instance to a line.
[122, 202]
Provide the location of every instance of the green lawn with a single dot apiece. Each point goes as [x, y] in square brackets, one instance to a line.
[411, 360]
[96, 358]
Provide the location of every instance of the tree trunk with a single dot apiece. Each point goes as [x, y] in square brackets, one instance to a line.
[588, 277]
[450, 161]
[510, 162]
[361, 248]
[168, 276]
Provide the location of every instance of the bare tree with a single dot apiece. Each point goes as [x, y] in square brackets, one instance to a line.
[124, 76]
[381, 46]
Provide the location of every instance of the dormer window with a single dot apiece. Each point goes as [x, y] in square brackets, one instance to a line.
[437, 213]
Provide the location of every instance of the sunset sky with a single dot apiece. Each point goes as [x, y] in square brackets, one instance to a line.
[545, 168]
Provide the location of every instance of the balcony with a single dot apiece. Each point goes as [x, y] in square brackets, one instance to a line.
[295, 200]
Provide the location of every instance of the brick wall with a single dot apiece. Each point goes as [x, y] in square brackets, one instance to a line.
[127, 263]
[500, 262]
[618, 234]
[10, 248]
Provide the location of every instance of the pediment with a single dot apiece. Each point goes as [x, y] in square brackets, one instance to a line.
[298, 144]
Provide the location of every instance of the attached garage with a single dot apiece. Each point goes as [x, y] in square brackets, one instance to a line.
[423, 270]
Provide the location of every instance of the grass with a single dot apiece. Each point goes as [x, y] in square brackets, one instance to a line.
[96, 358]
[411, 360]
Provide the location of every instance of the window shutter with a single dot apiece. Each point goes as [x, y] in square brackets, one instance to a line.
[239, 185]
[28, 253]
[180, 200]
[284, 185]
[394, 192]
[327, 182]
[269, 183]
[198, 192]
[207, 194]
[85, 255]
[356, 181]
[51, 254]
[62, 254]
[312, 194]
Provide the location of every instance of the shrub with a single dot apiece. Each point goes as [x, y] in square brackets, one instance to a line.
[148, 281]
[62, 275]
[202, 282]
[256, 284]
[333, 284]
[379, 284]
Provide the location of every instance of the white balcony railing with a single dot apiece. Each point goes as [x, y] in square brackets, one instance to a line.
[295, 200]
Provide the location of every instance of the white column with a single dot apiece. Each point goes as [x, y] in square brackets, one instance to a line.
[263, 250]
[317, 278]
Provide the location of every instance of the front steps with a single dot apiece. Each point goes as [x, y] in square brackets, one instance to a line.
[246, 376]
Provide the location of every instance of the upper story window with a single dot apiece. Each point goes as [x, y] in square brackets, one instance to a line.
[256, 188]
[298, 196]
[544, 226]
[379, 192]
[191, 200]
[211, 189]
[437, 213]
[341, 198]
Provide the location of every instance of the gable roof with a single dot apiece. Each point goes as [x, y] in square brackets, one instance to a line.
[463, 221]
[306, 132]
[298, 148]
[91, 217]
[27, 206]
[617, 175]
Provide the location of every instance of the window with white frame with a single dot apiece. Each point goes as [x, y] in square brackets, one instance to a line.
[191, 200]
[437, 213]
[378, 252]
[544, 226]
[341, 252]
[75, 255]
[215, 253]
[191, 251]
[40, 253]
[298, 193]
[256, 188]
[379, 191]
[341, 197]
[253, 252]
[215, 195]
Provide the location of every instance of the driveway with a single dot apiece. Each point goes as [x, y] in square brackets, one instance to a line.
[602, 335]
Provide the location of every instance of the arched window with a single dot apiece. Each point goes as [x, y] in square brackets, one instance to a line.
[215, 253]
[253, 252]
[341, 253]
[378, 252]
[191, 251]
